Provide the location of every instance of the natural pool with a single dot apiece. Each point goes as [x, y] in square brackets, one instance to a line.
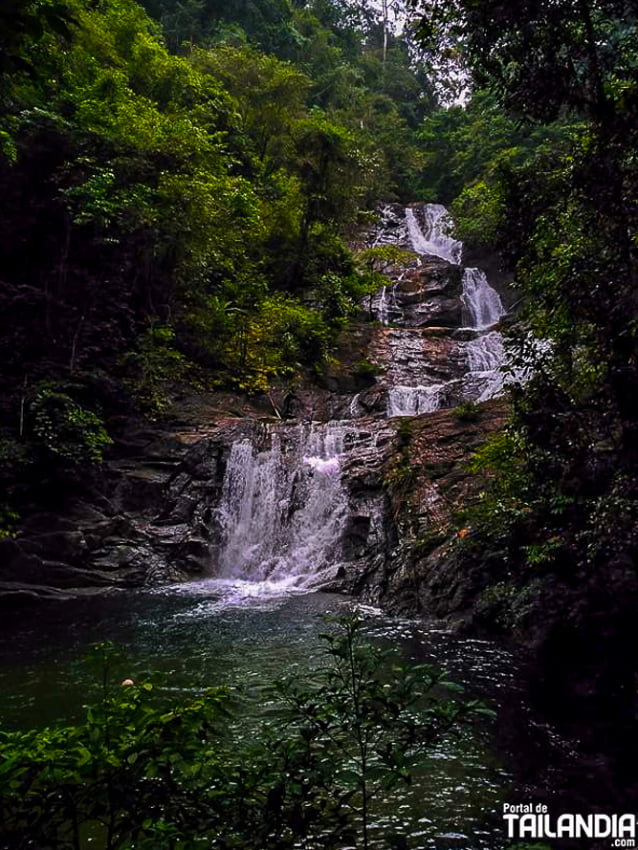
[242, 635]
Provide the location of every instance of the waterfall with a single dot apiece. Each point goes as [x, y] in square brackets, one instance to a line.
[485, 357]
[385, 306]
[483, 309]
[283, 510]
[389, 222]
[481, 301]
[382, 309]
[356, 409]
[485, 353]
[412, 401]
[434, 238]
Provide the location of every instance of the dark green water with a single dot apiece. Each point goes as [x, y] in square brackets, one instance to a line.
[209, 634]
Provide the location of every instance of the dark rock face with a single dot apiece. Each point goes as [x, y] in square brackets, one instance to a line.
[144, 525]
[425, 295]
[418, 573]
[430, 296]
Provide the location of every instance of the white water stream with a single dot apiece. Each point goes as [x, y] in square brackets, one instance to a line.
[412, 401]
[482, 310]
[283, 510]
[481, 301]
[433, 238]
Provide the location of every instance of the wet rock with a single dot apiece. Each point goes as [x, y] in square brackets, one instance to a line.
[415, 570]
[201, 463]
[61, 575]
[182, 510]
[119, 554]
[355, 538]
[427, 356]
[46, 523]
[140, 488]
[431, 277]
[110, 529]
[15, 594]
[195, 550]
[436, 312]
[16, 563]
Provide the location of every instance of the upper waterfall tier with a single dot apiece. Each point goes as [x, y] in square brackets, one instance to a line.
[422, 228]
[434, 292]
[432, 237]
[482, 301]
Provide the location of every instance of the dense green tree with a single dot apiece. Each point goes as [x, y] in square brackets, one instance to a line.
[270, 97]
[465, 144]
[266, 23]
[154, 207]
[567, 222]
[357, 78]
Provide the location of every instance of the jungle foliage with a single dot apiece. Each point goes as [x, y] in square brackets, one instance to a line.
[563, 506]
[147, 770]
[176, 194]
[178, 184]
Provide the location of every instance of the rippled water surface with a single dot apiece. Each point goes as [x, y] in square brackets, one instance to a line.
[243, 635]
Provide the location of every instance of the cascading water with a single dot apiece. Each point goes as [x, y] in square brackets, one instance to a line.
[485, 356]
[412, 401]
[433, 239]
[481, 301]
[283, 510]
[384, 305]
[355, 408]
[482, 308]
[485, 353]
